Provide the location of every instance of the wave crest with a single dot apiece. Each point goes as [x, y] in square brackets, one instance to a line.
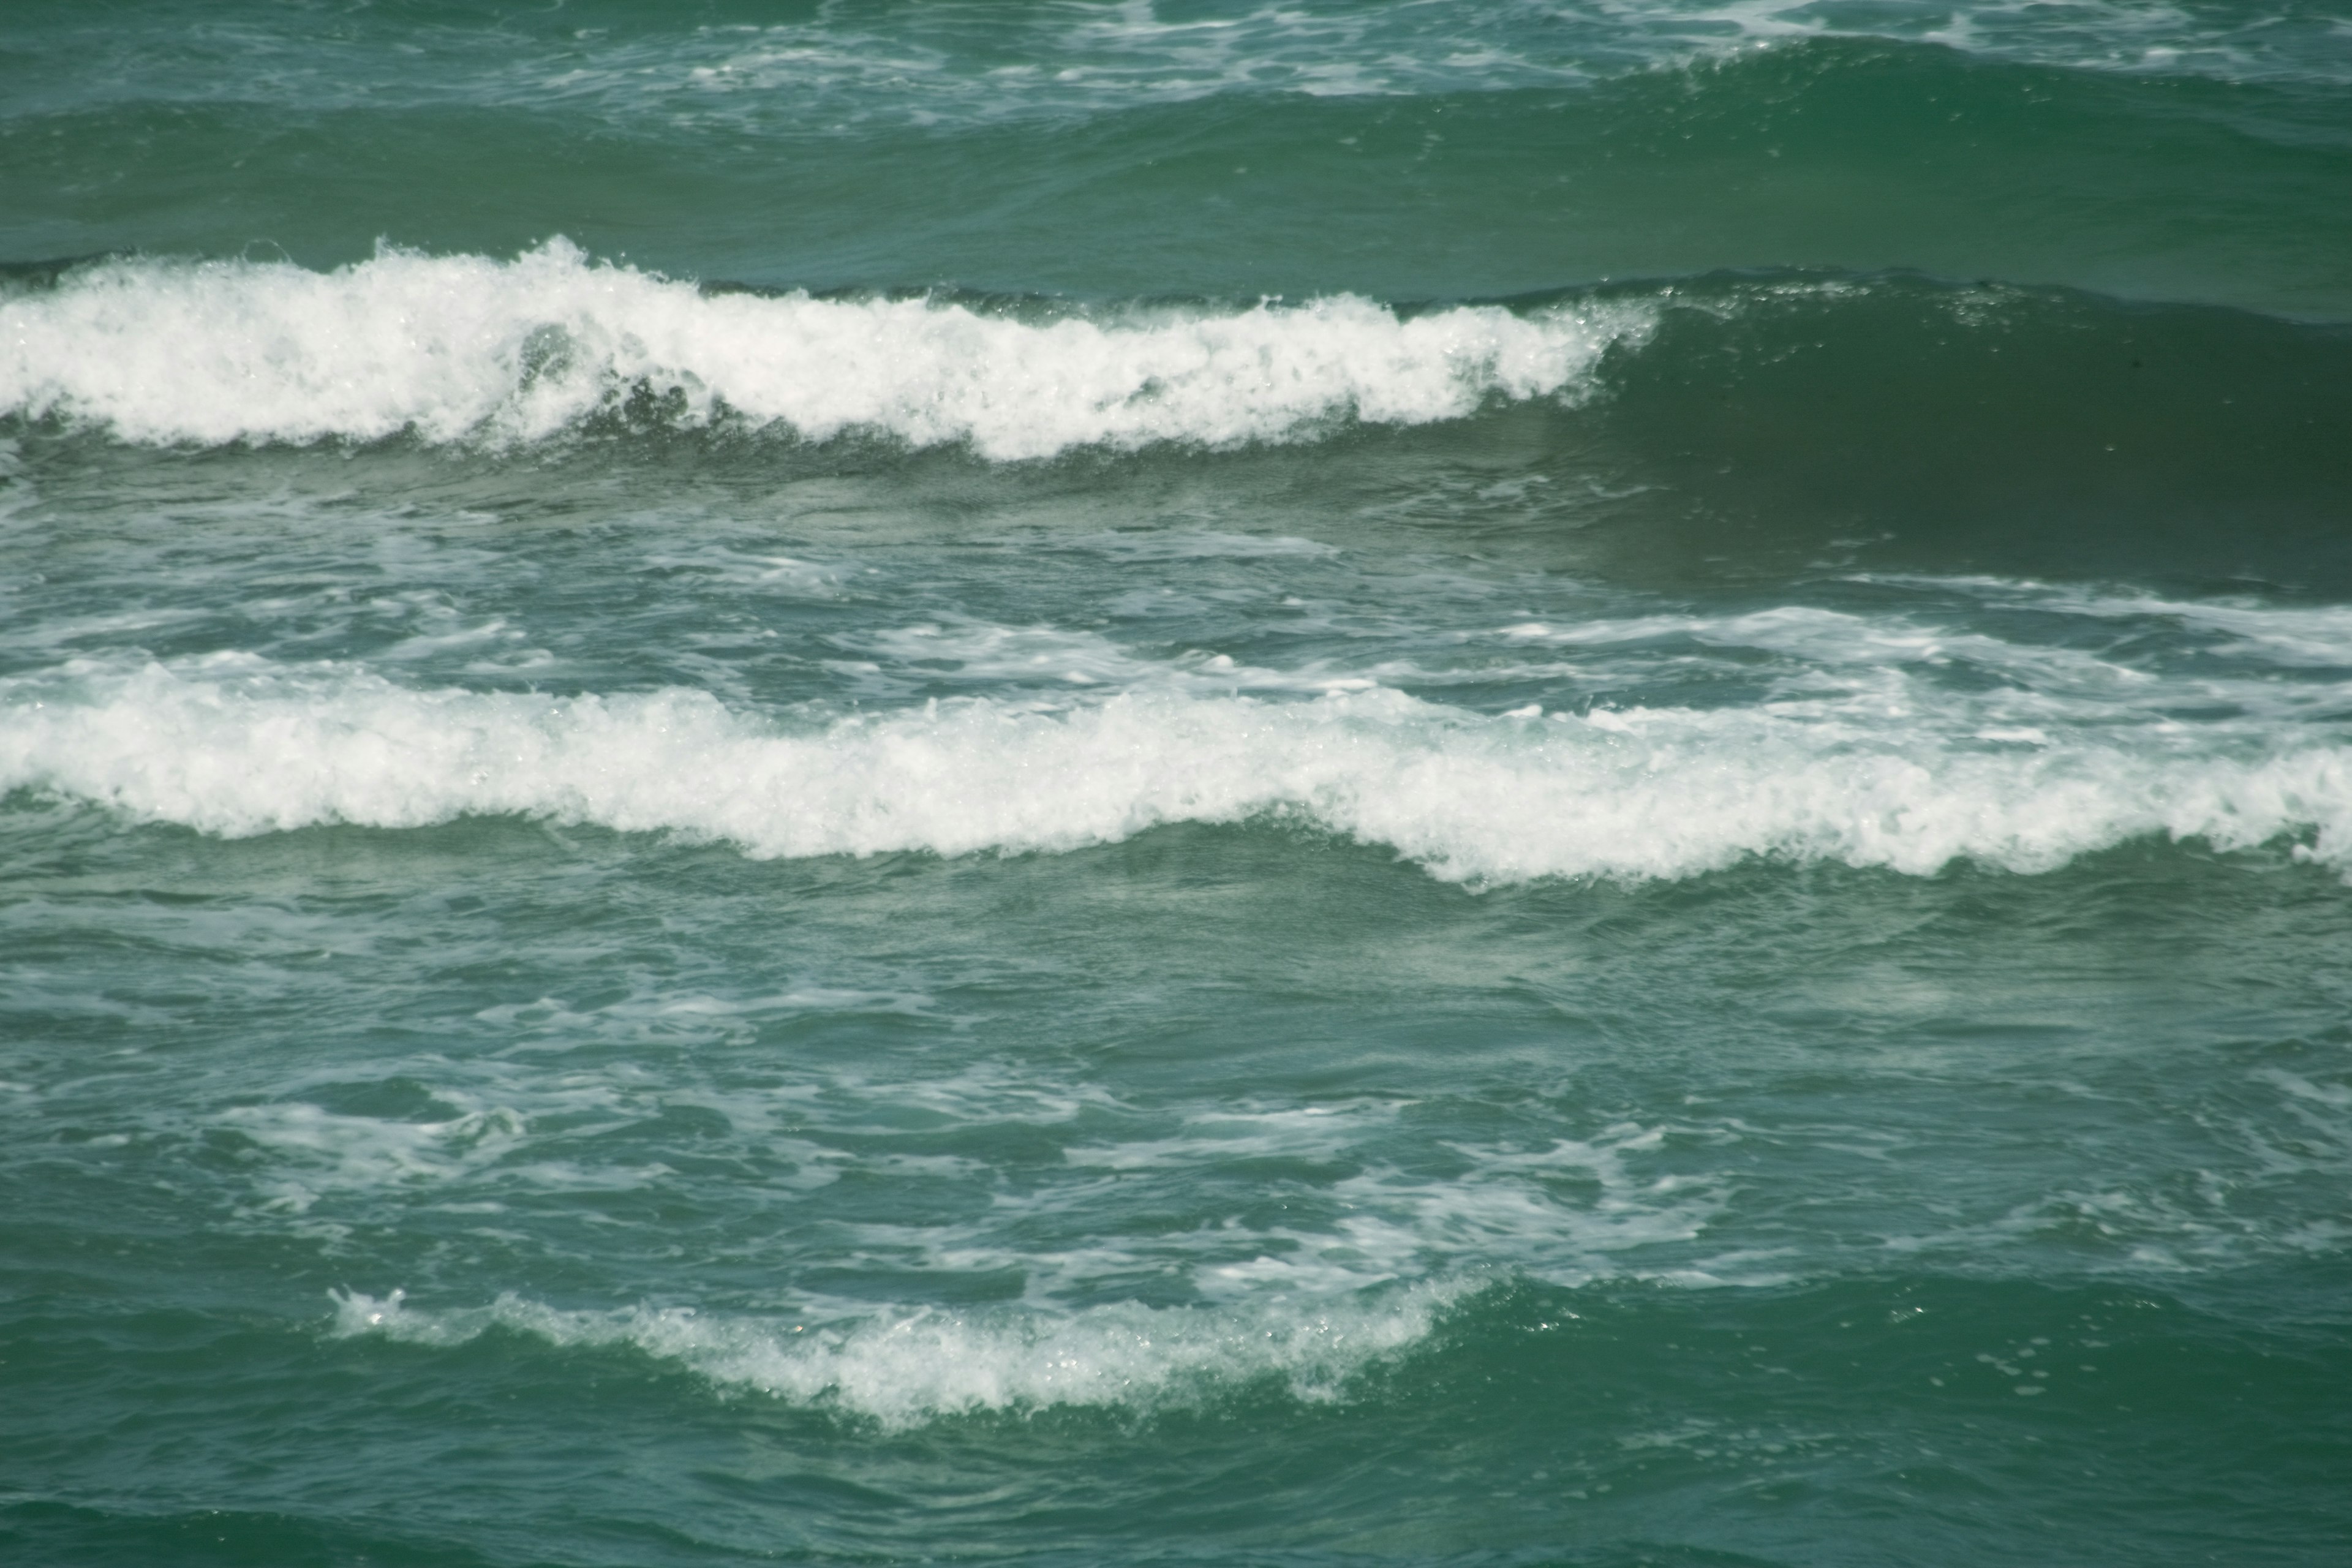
[465, 347]
[904, 1366]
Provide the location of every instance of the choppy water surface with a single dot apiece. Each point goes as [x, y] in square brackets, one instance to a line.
[1085, 784]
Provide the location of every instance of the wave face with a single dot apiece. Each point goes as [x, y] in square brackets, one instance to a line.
[453, 348]
[1881, 399]
[1474, 172]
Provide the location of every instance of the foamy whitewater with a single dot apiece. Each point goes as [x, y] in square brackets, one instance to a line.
[1891, 776]
[458, 347]
[1508, 785]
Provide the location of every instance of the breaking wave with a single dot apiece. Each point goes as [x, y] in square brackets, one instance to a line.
[461, 348]
[907, 1365]
[235, 744]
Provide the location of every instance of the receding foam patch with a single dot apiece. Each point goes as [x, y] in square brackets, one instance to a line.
[903, 1366]
[1891, 774]
[463, 347]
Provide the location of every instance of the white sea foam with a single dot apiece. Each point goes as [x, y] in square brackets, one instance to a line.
[464, 347]
[365, 1151]
[1885, 772]
[2312, 635]
[902, 1366]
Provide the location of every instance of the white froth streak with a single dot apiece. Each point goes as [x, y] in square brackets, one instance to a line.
[235, 745]
[904, 1366]
[456, 348]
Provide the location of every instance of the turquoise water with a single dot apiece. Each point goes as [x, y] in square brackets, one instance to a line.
[1060, 785]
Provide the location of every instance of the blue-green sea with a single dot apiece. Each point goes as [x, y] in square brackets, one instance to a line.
[1554, 784]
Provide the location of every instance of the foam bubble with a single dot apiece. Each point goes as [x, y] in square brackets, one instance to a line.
[464, 347]
[365, 1151]
[1883, 773]
[902, 1366]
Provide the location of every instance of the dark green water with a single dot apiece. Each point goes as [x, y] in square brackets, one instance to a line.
[1065, 784]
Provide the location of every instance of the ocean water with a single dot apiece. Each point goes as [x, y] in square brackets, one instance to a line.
[1176, 782]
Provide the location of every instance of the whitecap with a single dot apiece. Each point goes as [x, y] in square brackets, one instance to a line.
[902, 1366]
